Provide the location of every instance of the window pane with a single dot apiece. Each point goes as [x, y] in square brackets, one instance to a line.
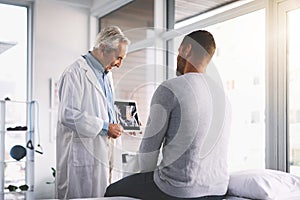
[135, 19]
[293, 64]
[196, 7]
[13, 83]
[136, 80]
[13, 61]
[240, 62]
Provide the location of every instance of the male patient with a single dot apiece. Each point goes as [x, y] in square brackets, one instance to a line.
[189, 118]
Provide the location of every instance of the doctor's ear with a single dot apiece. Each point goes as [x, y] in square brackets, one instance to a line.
[105, 48]
[102, 48]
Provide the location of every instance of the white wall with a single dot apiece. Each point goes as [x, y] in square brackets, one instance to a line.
[61, 34]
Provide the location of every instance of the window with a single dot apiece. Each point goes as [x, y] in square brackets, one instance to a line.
[13, 81]
[196, 7]
[199, 10]
[136, 19]
[13, 57]
[137, 79]
[240, 62]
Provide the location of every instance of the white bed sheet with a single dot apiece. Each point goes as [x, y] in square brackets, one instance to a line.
[102, 198]
[294, 196]
[235, 198]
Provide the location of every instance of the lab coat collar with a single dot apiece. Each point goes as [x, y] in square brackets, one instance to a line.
[94, 62]
[90, 75]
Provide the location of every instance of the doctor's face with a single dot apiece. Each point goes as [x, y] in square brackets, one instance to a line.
[115, 58]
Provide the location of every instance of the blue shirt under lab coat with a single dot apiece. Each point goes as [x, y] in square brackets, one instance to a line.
[105, 85]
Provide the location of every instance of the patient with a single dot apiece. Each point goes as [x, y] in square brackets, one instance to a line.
[189, 118]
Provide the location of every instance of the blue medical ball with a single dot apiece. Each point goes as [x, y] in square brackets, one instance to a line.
[18, 152]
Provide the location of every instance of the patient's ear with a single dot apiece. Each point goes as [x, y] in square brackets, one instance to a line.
[187, 50]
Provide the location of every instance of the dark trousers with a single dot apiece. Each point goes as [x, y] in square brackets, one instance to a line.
[142, 186]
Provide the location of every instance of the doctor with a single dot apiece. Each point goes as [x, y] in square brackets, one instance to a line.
[88, 154]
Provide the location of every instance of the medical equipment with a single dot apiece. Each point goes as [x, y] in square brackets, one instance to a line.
[29, 145]
[18, 152]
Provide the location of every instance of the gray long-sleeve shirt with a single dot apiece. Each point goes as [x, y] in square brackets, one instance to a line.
[190, 117]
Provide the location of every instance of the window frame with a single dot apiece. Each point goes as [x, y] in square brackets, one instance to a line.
[280, 9]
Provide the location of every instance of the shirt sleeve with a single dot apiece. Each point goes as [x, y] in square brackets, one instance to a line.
[104, 130]
[157, 126]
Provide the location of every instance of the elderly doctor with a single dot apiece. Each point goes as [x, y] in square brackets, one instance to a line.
[88, 154]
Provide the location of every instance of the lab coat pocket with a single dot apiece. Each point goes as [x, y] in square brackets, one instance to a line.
[82, 152]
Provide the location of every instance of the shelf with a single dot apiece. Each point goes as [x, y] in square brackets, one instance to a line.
[8, 132]
[17, 172]
[18, 191]
[11, 101]
[18, 131]
[11, 132]
[15, 192]
[6, 45]
[17, 195]
[15, 161]
[14, 182]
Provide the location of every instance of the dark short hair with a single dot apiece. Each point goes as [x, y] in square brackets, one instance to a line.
[202, 41]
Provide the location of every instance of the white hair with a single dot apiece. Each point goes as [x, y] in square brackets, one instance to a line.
[110, 37]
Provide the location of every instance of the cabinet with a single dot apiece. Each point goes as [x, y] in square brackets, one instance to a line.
[22, 170]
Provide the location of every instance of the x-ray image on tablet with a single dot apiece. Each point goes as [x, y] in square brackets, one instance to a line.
[127, 115]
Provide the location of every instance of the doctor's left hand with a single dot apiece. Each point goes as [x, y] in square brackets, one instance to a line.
[115, 130]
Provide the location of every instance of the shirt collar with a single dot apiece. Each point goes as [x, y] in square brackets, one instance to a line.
[94, 62]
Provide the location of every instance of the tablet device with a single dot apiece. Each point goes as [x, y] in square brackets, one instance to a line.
[127, 115]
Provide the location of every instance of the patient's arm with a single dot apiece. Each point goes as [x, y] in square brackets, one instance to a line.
[156, 128]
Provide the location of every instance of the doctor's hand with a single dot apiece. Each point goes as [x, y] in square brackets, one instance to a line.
[114, 130]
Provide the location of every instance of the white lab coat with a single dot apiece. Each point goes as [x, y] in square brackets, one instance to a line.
[84, 157]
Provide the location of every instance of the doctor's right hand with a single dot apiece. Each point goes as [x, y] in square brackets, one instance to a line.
[114, 130]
